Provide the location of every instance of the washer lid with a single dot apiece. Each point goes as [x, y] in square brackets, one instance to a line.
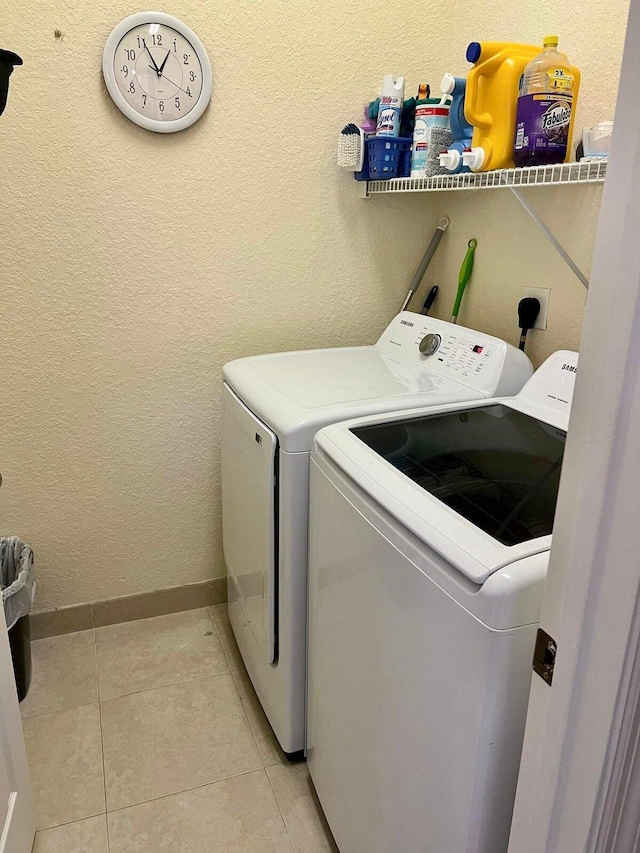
[476, 482]
[298, 393]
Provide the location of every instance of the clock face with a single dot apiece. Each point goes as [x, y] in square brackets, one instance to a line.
[157, 71]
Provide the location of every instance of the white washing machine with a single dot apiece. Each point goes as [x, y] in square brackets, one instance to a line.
[272, 407]
[428, 550]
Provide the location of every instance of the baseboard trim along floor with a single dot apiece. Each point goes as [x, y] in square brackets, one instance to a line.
[81, 617]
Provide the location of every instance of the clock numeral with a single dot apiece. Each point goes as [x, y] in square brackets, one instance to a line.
[175, 46]
[192, 76]
[188, 91]
[177, 103]
[144, 100]
[132, 88]
[185, 57]
[157, 39]
[161, 106]
[131, 54]
[125, 70]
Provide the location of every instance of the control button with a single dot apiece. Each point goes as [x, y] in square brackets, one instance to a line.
[429, 344]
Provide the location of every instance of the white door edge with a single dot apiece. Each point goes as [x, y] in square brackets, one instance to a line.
[571, 791]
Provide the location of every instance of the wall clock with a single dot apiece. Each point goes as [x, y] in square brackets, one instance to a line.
[157, 71]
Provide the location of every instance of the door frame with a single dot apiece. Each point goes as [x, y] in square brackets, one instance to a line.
[577, 790]
[17, 835]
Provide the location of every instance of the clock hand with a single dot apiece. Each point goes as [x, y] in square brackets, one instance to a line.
[173, 84]
[164, 62]
[155, 67]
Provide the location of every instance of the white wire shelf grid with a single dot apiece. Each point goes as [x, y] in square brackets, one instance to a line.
[586, 172]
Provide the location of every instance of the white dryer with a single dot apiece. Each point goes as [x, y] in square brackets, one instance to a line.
[428, 550]
[272, 407]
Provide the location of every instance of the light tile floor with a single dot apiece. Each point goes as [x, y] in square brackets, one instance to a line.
[148, 736]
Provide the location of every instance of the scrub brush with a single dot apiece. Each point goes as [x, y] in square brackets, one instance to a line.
[351, 148]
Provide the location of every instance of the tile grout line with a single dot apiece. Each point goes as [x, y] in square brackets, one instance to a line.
[219, 636]
[242, 705]
[58, 710]
[275, 797]
[179, 793]
[234, 673]
[181, 820]
[162, 686]
[246, 716]
[70, 822]
[104, 770]
[264, 765]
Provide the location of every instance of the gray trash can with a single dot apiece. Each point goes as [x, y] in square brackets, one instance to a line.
[17, 579]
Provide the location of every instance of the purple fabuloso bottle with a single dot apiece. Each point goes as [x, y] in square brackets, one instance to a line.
[546, 102]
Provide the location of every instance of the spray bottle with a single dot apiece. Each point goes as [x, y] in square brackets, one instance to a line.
[391, 100]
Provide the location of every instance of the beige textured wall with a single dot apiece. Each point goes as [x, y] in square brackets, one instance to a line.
[133, 265]
[512, 253]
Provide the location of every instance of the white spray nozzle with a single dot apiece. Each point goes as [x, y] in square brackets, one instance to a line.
[391, 87]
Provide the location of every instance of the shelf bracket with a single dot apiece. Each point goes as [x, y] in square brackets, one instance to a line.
[566, 257]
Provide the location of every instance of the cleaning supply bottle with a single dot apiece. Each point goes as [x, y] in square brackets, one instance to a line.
[430, 113]
[491, 100]
[391, 100]
[461, 130]
[368, 123]
[546, 108]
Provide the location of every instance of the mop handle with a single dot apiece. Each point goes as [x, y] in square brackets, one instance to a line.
[426, 260]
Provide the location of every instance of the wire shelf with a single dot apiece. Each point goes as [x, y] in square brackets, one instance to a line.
[586, 172]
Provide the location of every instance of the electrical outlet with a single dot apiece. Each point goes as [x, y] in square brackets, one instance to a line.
[544, 295]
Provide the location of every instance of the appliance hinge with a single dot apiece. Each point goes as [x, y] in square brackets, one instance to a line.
[544, 656]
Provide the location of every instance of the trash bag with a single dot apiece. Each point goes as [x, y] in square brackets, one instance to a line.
[17, 578]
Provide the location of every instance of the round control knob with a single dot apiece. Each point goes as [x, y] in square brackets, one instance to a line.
[429, 344]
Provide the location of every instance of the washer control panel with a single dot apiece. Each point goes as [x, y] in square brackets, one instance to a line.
[463, 355]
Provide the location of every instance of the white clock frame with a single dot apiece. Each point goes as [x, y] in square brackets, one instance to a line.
[108, 56]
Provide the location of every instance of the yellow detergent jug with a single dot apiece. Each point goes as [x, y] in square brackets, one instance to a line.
[491, 99]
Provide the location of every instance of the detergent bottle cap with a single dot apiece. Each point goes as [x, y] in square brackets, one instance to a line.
[474, 158]
[450, 160]
[550, 41]
[448, 84]
[473, 51]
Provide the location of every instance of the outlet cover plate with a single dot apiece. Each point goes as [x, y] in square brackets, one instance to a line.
[544, 295]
